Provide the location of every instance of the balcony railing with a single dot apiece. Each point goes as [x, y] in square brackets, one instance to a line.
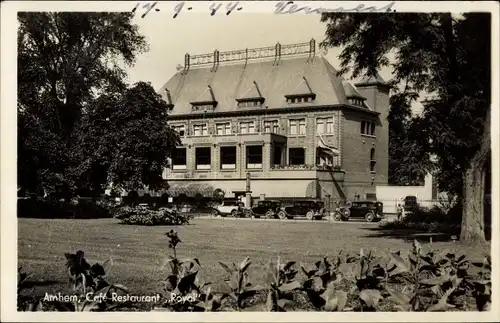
[305, 166]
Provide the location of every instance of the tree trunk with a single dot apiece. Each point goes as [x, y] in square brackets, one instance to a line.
[472, 228]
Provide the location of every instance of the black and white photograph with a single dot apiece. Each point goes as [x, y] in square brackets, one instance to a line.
[193, 160]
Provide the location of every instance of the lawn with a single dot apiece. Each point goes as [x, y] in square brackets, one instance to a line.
[138, 251]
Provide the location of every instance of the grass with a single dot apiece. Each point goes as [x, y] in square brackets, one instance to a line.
[138, 252]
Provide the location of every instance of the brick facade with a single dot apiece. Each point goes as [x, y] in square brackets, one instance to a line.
[301, 87]
[354, 156]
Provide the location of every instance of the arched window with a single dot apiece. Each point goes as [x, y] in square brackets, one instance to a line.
[372, 130]
[362, 127]
[372, 160]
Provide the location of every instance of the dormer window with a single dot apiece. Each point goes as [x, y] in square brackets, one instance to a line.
[352, 95]
[356, 101]
[251, 97]
[203, 106]
[293, 99]
[302, 93]
[250, 102]
[205, 102]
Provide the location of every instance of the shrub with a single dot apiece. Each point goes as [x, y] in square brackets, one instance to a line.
[147, 216]
[51, 209]
[435, 220]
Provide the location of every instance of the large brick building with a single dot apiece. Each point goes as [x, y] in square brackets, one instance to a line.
[282, 115]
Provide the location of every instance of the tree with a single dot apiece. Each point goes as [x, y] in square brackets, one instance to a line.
[74, 104]
[408, 160]
[218, 195]
[448, 56]
[124, 140]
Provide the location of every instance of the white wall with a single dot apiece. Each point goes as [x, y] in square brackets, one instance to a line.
[392, 195]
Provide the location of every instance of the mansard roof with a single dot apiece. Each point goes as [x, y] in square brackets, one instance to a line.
[272, 78]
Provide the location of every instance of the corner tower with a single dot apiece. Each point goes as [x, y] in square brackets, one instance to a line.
[376, 91]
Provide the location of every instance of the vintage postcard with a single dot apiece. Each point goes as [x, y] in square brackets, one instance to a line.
[224, 160]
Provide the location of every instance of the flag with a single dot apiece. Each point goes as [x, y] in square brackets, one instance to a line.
[332, 151]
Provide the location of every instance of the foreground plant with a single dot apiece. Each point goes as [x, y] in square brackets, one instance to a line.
[482, 285]
[241, 289]
[26, 303]
[95, 292]
[282, 281]
[426, 275]
[183, 291]
[369, 276]
[321, 286]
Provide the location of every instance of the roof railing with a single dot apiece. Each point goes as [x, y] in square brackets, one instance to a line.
[244, 55]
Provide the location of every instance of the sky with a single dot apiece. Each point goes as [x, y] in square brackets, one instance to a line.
[199, 33]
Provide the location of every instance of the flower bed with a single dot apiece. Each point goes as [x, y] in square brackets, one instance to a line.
[416, 281]
[145, 216]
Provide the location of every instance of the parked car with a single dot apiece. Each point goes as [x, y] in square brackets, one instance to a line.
[311, 209]
[233, 208]
[267, 208]
[371, 211]
[410, 203]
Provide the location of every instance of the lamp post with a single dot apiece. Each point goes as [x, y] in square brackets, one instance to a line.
[248, 193]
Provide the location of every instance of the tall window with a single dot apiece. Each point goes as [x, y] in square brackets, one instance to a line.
[223, 128]
[181, 129]
[271, 126]
[254, 157]
[372, 160]
[203, 157]
[200, 129]
[298, 126]
[277, 153]
[228, 157]
[179, 160]
[297, 156]
[324, 125]
[247, 127]
[368, 128]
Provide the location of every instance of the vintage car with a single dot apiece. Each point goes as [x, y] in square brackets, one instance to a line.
[267, 208]
[228, 207]
[371, 211]
[311, 209]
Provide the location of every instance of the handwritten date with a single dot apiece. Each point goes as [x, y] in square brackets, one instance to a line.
[181, 6]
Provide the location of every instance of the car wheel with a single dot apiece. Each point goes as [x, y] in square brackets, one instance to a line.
[337, 216]
[248, 213]
[310, 215]
[215, 213]
[369, 217]
[282, 215]
[269, 214]
[234, 213]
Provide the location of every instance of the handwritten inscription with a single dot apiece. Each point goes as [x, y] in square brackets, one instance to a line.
[181, 6]
[147, 6]
[284, 7]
